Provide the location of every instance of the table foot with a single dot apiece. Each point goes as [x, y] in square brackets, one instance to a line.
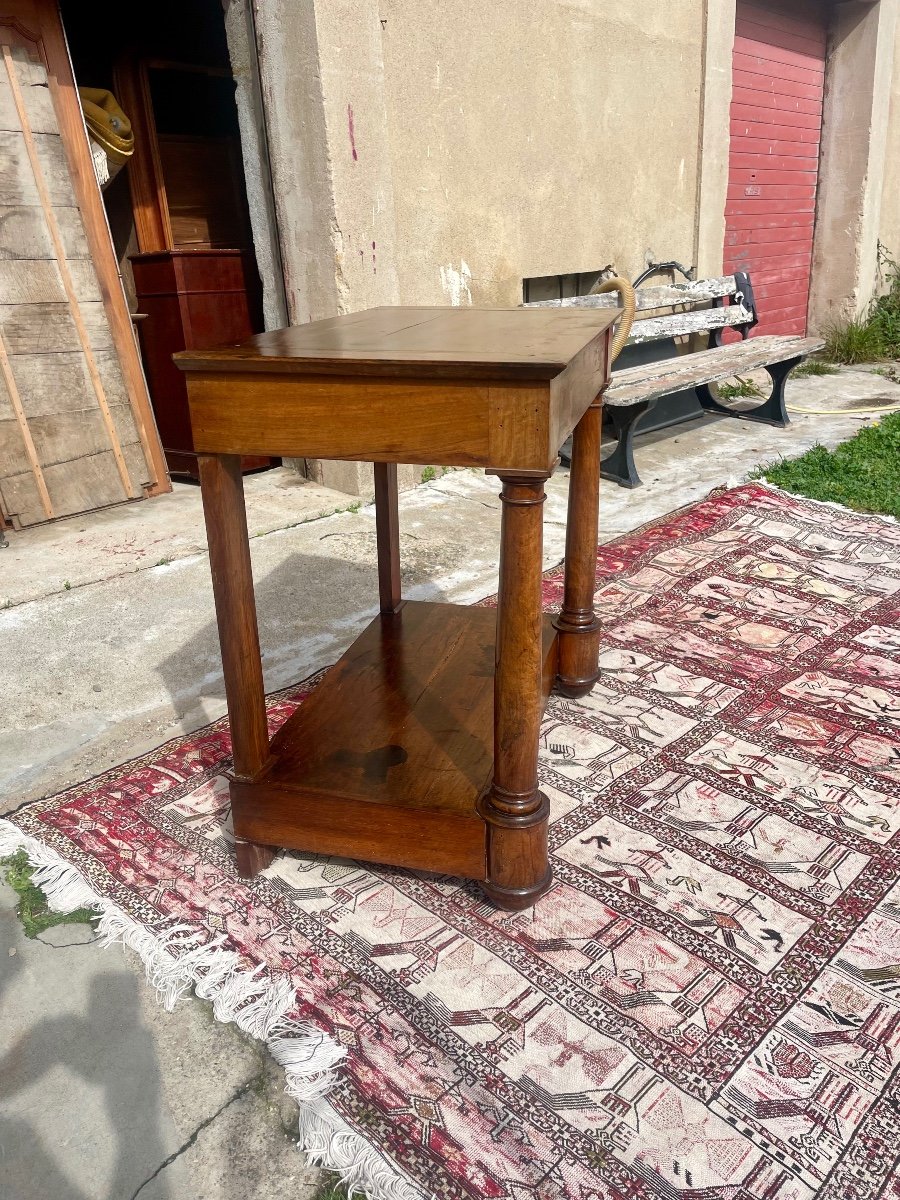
[252, 858]
[518, 869]
[579, 649]
[515, 899]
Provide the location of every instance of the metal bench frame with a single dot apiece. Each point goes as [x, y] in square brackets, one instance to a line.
[634, 393]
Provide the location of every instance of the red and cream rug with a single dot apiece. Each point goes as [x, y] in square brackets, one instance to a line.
[706, 1006]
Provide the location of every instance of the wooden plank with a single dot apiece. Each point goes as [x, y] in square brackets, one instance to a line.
[754, 64]
[60, 383]
[747, 208]
[648, 298]
[706, 366]
[63, 265]
[783, 147]
[779, 258]
[40, 281]
[20, 500]
[765, 98]
[769, 131]
[17, 183]
[95, 483]
[778, 86]
[799, 230]
[90, 204]
[58, 438]
[151, 212]
[24, 233]
[810, 44]
[682, 324]
[15, 399]
[39, 105]
[764, 191]
[788, 118]
[766, 52]
[48, 328]
[774, 18]
[802, 174]
[784, 220]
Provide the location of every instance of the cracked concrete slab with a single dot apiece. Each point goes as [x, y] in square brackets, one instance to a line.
[99, 1086]
[248, 1149]
[110, 668]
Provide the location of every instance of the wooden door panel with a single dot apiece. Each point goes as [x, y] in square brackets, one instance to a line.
[776, 127]
[75, 425]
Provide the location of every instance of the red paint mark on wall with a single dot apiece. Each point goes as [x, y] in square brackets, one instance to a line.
[351, 132]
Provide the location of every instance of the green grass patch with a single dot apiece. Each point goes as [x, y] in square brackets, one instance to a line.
[876, 334]
[332, 1189]
[739, 390]
[856, 340]
[32, 909]
[428, 474]
[861, 474]
[814, 366]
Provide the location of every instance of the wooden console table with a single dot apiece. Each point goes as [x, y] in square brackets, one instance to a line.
[420, 747]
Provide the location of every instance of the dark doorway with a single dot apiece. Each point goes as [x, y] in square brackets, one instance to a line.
[178, 208]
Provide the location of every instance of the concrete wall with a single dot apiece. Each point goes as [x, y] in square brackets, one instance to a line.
[856, 147]
[536, 137]
[428, 153]
[890, 202]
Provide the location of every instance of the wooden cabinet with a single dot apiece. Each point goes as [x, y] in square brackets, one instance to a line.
[196, 281]
[194, 299]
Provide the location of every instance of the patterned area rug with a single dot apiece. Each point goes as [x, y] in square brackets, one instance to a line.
[707, 1005]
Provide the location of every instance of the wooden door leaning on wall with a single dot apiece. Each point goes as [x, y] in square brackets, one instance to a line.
[76, 428]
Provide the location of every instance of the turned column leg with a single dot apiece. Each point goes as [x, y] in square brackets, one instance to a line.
[579, 629]
[222, 488]
[518, 870]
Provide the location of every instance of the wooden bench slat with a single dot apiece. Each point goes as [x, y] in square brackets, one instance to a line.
[705, 366]
[699, 292]
[653, 329]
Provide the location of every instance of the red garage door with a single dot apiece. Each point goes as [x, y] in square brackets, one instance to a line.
[776, 125]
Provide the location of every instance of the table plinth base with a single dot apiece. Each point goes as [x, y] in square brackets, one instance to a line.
[389, 756]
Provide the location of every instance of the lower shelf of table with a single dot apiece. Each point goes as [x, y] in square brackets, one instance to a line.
[388, 757]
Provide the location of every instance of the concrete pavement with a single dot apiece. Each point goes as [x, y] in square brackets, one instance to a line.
[126, 656]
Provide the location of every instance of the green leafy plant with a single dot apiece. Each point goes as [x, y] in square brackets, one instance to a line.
[32, 910]
[428, 474]
[885, 315]
[860, 474]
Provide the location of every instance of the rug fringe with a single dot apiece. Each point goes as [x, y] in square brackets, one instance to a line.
[886, 518]
[176, 961]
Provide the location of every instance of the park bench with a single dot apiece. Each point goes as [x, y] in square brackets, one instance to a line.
[681, 311]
